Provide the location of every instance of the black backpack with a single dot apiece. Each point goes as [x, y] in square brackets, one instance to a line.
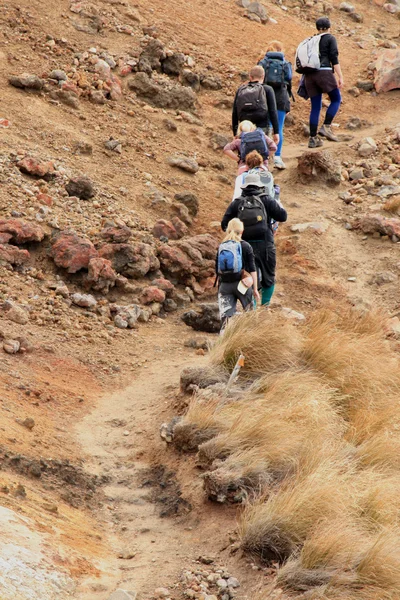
[251, 211]
[251, 98]
[253, 140]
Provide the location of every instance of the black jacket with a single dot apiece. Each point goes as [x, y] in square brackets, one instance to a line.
[248, 260]
[261, 119]
[259, 231]
[328, 51]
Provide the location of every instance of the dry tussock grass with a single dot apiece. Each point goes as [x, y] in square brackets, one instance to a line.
[316, 438]
[268, 341]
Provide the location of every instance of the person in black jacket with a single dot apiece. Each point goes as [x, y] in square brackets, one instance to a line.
[257, 229]
[228, 292]
[261, 117]
[323, 81]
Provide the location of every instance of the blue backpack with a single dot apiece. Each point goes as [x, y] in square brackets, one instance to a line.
[253, 140]
[277, 70]
[230, 257]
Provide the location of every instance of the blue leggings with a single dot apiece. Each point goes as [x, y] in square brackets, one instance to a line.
[281, 122]
[316, 105]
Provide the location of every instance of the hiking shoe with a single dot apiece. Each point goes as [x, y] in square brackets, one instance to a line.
[315, 142]
[278, 163]
[326, 131]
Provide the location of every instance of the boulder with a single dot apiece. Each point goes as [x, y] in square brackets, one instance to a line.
[319, 165]
[257, 9]
[190, 201]
[211, 82]
[152, 294]
[387, 71]
[27, 82]
[152, 54]
[165, 285]
[36, 168]
[180, 227]
[16, 314]
[190, 79]
[162, 94]
[180, 210]
[172, 65]
[13, 256]
[68, 98]
[189, 165]
[376, 223]
[188, 258]
[127, 316]
[18, 231]
[165, 229]
[101, 276]
[132, 260]
[117, 233]
[218, 141]
[346, 7]
[72, 251]
[206, 318]
[82, 187]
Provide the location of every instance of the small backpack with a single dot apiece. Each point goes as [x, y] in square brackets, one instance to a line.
[253, 140]
[230, 257]
[251, 98]
[251, 211]
[277, 70]
[307, 54]
[266, 179]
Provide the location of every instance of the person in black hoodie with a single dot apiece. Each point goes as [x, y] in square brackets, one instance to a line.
[261, 110]
[256, 210]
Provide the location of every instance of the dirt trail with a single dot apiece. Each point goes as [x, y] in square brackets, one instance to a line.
[121, 441]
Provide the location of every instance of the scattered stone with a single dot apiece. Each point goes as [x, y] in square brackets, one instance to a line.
[367, 86]
[387, 71]
[161, 593]
[211, 82]
[170, 305]
[190, 201]
[84, 148]
[367, 147]
[58, 75]
[82, 187]
[320, 165]
[170, 125]
[27, 82]
[172, 65]
[190, 79]
[117, 233]
[382, 278]
[68, 97]
[127, 316]
[122, 595]
[162, 94]
[131, 260]
[11, 346]
[72, 251]
[29, 423]
[84, 300]
[256, 9]
[182, 162]
[97, 97]
[17, 314]
[356, 174]
[114, 145]
[292, 314]
[317, 227]
[377, 224]
[346, 7]
[36, 167]
[206, 318]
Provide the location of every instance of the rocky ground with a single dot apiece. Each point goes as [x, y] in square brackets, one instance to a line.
[112, 122]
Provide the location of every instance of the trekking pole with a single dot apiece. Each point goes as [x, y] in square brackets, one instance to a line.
[235, 373]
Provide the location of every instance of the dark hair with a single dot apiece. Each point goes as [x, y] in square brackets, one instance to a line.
[322, 23]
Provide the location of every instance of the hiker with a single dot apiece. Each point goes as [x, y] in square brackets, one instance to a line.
[319, 78]
[255, 102]
[256, 210]
[278, 75]
[255, 162]
[236, 272]
[248, 138]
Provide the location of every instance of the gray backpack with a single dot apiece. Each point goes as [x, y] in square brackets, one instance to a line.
[251, 98]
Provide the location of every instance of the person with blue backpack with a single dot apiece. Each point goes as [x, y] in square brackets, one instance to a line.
[278, 75]
[236, 273]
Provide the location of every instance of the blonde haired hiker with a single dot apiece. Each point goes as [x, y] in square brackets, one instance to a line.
[236, 271]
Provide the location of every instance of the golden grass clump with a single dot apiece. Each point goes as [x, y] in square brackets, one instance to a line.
[274, 527]
[380, 565]
[378, 500]
[353, 356]
[267, 339]
[200, 424]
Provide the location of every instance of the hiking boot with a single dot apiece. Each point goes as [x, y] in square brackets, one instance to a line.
[315, 142]
[278, 163]
[326, 131]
